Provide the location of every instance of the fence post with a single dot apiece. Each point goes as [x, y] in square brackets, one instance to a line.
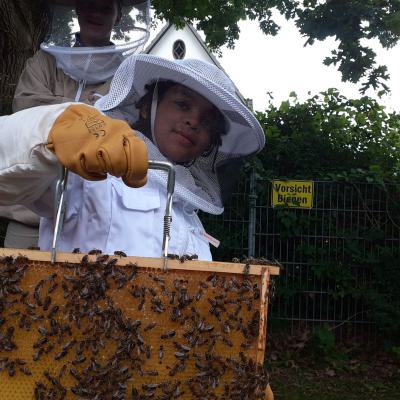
[252, 215]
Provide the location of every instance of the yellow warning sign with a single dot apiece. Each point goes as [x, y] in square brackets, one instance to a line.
[296, 194]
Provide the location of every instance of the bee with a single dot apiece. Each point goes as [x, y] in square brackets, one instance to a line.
[226, 328]
[102, 258]
[111, 262]
[39, 343]
[25, 371]
[62, 371]
[79, 360]
[60, 355]
[181, 355]
[52, 288]
[70, 344]
[11, 369]
[213, 279]
[205, 328]
[149, 326]
[150, 386]
[135, 394]
[152, 372]
[168, 334]
[95, 252]
[199, 295]
[21, 259]
[119, 253]
[141, 304]
[161, 353]
[178, 367]
[184, 257]
[227, 341]
[37, 355]
[46, 303]
[148, 351]
[173, 256]
[53, 311]
[75, 374]
[246, 269]
[182, 347]
[152, 291]
[36, 292]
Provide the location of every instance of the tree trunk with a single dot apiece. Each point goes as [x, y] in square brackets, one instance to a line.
[23, 25]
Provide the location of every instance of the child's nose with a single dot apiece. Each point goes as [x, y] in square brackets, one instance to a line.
[193, 119]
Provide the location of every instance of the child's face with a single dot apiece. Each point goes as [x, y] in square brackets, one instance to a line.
[183, 124]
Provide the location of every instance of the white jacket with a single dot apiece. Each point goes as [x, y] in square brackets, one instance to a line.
[106, 215]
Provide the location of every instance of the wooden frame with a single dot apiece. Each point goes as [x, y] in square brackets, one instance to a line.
[196, 269]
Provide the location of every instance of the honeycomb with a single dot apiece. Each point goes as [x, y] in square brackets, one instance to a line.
[104, 327]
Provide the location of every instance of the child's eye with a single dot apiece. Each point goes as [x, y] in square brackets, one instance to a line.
[183, 105]
[206, 123]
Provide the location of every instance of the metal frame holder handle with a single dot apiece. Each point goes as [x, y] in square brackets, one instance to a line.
[169, 168]
[60, 194]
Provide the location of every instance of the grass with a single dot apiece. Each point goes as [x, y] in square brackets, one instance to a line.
[301, 371]
[304, 384]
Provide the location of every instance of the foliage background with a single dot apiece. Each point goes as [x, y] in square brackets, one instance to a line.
[345, 143]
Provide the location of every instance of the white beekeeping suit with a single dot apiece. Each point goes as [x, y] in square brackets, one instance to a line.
[109, 215]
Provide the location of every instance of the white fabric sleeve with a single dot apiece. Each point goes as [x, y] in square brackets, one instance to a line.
[27, 167]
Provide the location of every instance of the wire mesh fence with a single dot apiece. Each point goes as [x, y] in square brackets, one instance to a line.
[335, 256]
[330, 253]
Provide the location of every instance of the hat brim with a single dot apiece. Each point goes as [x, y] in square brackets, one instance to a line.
[244, 133]
[71, 3]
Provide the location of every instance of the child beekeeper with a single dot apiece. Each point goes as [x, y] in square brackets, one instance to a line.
[182, 111]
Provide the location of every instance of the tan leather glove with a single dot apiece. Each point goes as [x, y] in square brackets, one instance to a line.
[92, 145]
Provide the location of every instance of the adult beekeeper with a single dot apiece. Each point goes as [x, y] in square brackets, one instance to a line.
[187, 112]
[75, 65]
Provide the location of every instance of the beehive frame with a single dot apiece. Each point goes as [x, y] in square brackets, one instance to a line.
[184, 345]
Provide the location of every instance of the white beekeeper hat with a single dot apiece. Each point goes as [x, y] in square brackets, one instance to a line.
[244, 135]
[208, 181]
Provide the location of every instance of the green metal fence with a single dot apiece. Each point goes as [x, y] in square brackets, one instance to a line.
[331, 254]
[340, 259]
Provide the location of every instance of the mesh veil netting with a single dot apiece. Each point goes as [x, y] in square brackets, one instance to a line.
[95, 64]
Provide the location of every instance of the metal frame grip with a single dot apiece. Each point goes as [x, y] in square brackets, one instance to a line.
[60, 194]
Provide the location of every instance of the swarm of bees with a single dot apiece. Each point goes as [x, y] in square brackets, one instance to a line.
[97, 330]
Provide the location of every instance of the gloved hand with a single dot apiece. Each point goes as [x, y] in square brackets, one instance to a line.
[92, 145]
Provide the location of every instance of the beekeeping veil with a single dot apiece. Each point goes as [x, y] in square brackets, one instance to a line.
[202, 183]
[95, 64]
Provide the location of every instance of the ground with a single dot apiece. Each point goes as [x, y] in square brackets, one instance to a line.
[352, 371]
